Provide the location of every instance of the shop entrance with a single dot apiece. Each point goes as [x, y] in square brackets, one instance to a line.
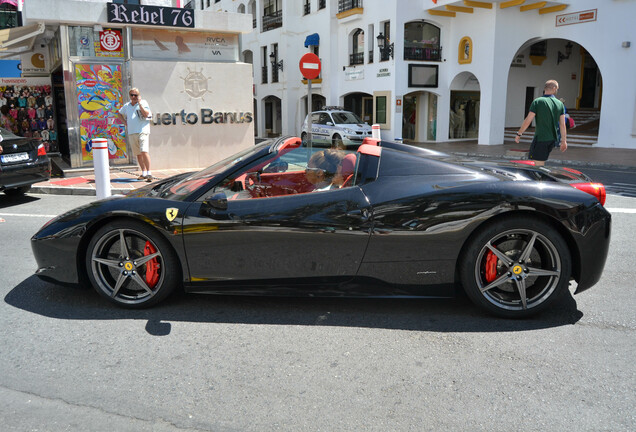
[62, 146]
[464, 107]
[360, 104]
[419, 121]
[273, 116]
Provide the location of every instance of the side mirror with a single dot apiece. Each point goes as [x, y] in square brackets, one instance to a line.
[217, 201]
[329, 124]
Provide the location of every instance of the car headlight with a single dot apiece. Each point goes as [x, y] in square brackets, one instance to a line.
[349, 131]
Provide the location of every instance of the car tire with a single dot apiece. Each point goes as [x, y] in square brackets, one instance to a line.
[303, 139]
[125, 275]
[17, 191]
[516, 267]
[336, 142]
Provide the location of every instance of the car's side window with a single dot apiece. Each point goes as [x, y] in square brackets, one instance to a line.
[315, 118]
[290, 173]
[324, 118]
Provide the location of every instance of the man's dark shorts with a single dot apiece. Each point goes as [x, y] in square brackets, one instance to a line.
[540, 150]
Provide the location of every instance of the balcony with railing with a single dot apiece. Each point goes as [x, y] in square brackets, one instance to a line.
[432, 53]
[370, 56]
[307, 8]
[322, 4]
[356, 59]
[345, 5]
[10, 19]
[272, 21]
[349, 7]
[274, 75]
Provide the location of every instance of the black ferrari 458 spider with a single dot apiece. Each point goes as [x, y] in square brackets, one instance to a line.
[386, 220]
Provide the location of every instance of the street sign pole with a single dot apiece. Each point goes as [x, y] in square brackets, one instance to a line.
[310, 69]
[309, 123]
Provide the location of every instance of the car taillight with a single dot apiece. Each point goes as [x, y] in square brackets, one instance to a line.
[595, 189]
[41, 150]
[524, 162]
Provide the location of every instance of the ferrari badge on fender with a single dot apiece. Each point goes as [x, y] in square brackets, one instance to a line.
[171, 213]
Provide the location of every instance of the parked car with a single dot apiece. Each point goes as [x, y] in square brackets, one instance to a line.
[335, 127]
[23, 162]
[405, 222]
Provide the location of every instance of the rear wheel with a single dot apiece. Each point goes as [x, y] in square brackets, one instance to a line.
[516, 267]
[131, 265]
[17, 191]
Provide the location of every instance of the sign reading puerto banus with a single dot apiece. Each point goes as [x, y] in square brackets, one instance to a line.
[150, 15]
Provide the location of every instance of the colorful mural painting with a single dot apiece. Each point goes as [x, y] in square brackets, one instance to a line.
[99, 97]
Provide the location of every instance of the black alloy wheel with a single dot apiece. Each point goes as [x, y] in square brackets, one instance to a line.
[516, 267]
[132, 265]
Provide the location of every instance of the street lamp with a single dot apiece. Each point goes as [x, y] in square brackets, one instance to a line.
[385, 50]
[275, 65]
[568, 51]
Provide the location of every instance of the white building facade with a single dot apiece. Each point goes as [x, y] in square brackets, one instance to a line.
[450, 69]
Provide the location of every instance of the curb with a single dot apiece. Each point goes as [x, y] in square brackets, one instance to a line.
[58, 190]
[550, 161]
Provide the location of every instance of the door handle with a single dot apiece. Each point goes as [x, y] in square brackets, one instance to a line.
[359, 214]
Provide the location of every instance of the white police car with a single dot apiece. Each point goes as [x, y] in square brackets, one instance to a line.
[335, 127]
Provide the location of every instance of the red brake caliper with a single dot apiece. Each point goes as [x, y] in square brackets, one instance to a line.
[491, 267]
[152, 266]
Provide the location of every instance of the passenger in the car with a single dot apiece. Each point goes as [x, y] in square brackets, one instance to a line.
[323, 168]
[343, 177]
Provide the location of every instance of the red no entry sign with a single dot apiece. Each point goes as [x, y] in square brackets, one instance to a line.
[310, 66]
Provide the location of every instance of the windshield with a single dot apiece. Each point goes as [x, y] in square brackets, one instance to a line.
[345, 117]
[185, 186]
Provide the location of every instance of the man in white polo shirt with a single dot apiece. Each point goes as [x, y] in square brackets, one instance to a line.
[136, 114]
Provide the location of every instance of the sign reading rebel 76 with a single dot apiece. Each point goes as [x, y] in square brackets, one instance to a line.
[150, 15]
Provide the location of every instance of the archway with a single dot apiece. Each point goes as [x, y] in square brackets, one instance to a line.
[580, 86]
[318, 101]
[273, 116]
[419, 119]
[360, 104]
[464, 107]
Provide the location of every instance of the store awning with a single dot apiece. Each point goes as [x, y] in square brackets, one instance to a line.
[18, 40]
[312, 39]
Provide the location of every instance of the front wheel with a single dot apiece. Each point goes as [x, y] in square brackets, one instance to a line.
[303, 139]
[131, 265]
[336, 142]
[516, 267]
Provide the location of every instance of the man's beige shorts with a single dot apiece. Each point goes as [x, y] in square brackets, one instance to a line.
[139, 143]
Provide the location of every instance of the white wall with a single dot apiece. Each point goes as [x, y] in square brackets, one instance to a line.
[195, 145]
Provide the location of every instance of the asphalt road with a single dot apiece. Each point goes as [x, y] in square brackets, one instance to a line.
[71, 362]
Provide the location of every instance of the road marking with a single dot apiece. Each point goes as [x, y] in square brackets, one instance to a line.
[27, 215]
[621, 210]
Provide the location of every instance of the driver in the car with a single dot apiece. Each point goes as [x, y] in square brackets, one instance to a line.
[323, 169]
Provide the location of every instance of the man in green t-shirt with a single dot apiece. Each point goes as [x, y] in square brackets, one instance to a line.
[549, 113]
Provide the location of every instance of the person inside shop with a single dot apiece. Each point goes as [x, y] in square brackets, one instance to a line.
[136, 114]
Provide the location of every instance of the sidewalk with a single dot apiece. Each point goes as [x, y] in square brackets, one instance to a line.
[123, 181]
